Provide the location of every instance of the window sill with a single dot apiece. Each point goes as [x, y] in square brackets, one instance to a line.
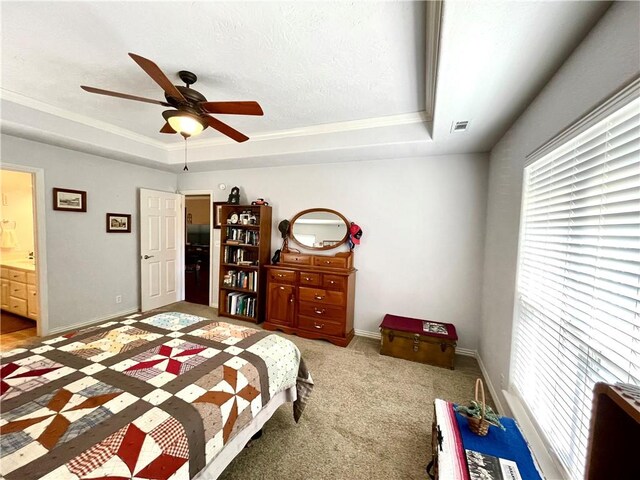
[548, 466]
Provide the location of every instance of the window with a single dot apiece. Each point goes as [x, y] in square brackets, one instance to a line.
[577, 318]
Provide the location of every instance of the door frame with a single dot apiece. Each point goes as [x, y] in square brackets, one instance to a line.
[40, 240]
[185, 194]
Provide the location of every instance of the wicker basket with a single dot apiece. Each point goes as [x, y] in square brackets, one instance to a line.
[479, 426]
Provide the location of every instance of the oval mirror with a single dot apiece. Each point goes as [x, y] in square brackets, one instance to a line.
[319, 229]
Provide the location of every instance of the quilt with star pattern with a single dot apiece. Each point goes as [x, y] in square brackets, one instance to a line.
[154, 397]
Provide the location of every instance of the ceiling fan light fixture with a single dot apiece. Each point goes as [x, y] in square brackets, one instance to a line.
[185, 123]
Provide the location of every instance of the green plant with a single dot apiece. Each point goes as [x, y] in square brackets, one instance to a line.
[474, 410]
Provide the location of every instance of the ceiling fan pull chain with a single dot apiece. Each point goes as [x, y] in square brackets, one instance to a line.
[185, 169]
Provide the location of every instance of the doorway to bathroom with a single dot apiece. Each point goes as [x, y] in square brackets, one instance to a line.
[19, 300]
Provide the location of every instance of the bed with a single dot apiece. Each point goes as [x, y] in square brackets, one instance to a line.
[163, 396]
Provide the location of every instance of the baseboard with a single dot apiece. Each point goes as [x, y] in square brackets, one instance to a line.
[91, 322]
[467, 352]
[366, 333]
[487, 382]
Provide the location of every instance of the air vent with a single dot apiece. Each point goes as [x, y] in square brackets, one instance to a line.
[460, 126]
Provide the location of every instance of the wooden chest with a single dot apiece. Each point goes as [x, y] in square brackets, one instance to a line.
[419, 340]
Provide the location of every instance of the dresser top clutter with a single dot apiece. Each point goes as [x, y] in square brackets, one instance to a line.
[310, 294]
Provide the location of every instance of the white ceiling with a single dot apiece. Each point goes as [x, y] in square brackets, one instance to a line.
[337, 80]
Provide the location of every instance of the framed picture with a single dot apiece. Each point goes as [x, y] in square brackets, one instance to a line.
[69, 200]
[217, 209]
[118, 223]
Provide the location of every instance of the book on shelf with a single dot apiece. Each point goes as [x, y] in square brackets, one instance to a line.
[243, 236]
[241, 279]
[237, 255]
[242, 304]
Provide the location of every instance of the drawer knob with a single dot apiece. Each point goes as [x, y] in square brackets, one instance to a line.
[318, 326]
[327, 262]
[319, 297]
[280, 275]
[332, 282]
[319, 312]
[308, 279]
[281, 288]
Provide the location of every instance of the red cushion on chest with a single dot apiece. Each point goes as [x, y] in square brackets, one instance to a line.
[415, 325]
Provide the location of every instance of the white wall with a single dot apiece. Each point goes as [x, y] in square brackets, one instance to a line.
[88, 267]
[607, 59]
[423, 221]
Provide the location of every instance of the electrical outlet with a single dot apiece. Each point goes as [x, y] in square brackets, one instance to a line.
[118, 298]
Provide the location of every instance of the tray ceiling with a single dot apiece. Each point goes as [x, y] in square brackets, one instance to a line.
[338, 81]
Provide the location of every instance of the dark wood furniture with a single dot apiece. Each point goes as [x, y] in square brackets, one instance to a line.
[196, 274]
[312, 296]
[245, 249]
[614, 433]
[404, 337]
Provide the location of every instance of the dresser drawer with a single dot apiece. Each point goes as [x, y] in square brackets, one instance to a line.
[297, 258]
[331, 262]
[287, 276]
[320, 326]
[18, 306]
[321, 312]
[4, 272]
[18, 276]
[320, 296]
[31, 278]
[310, 278]
[18, 290]
[334, 282]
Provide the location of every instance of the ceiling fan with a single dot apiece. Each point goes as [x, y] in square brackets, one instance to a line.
[191, 109]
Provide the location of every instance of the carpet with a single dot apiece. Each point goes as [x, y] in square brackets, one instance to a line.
[369, 416]
[10, 323]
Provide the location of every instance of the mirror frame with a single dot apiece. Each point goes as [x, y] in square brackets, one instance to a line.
[310, 210]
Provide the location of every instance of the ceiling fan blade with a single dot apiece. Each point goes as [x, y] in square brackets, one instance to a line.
[232, 108]
[109, 93]
[158, 76]
[167, 129]
[225, 129]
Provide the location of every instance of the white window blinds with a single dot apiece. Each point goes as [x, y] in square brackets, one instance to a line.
[578, 292]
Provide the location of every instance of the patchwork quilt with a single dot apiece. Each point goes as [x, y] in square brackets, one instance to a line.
[144, 398]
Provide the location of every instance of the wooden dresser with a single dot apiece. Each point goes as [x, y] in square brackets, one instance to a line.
[312, 296]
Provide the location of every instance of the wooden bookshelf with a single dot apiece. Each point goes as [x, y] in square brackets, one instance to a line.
[246, 281]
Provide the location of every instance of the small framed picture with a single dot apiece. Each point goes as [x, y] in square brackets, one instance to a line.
[118, 223]
[217, 210]
[69, 200]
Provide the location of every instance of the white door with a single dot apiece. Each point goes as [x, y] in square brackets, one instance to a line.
[160, 247]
